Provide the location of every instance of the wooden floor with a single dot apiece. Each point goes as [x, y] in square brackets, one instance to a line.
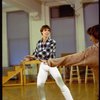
[29, 92]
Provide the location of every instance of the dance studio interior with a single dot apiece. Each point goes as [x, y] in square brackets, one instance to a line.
[69, 21]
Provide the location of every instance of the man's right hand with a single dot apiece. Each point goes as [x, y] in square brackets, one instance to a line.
[25, 59]
[28, 58]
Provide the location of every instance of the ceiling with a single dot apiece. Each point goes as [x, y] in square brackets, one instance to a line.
[35, 5]
[8, 3]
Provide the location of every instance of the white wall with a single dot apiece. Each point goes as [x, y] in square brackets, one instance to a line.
[80, 33]
[4, 41]
[35, 26]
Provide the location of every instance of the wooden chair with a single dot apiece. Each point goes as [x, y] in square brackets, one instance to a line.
[75, 74]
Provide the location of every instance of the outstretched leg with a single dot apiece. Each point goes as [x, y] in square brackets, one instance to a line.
[64, 89]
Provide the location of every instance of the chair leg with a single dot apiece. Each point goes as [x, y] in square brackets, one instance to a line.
[78, 75]
[87, 74]
[71, 74]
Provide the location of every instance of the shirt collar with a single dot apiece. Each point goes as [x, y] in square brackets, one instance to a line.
[47, 40]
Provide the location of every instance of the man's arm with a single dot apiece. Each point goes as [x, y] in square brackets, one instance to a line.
[31, 57]
[88, 56]
[66, 60]
[53, 49]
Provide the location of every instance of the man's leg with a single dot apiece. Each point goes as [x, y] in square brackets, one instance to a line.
[41, 79]
[64, 89]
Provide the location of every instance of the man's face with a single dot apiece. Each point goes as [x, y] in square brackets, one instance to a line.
[93, 39]
[46, 32]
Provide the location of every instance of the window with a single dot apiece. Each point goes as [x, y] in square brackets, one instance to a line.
[63, 31]
[18, 36]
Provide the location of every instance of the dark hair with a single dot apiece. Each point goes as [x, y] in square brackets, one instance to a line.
[45, 27]
[94, 31]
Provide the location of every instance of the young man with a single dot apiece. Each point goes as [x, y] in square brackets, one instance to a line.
[46, 49]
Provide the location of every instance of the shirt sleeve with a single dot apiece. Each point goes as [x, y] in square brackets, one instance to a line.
[53, 50]
[81, 58]
[35, 53]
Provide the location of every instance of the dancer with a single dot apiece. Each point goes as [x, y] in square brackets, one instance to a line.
[45, 49]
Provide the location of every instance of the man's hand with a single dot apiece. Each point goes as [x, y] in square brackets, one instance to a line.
[28, 58]
[44, 61]
[25, 59]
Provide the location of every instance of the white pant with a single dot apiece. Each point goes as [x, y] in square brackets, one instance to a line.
[42, 77]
